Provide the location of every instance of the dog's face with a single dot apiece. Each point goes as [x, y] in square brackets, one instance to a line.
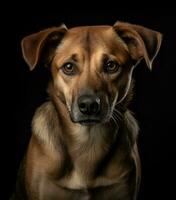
[92, 71]
[92, 66]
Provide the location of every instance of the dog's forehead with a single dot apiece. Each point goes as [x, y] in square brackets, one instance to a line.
[89, 28]
[95, 33]
[91, 37]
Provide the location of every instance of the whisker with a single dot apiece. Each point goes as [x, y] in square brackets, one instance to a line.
[117, 115]
[114, 120]
[116, 110]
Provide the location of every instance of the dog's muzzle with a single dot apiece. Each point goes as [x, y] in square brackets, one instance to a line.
[89, 110]
[89, 105]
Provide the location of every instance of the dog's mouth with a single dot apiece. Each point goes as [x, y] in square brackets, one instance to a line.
[89, 122]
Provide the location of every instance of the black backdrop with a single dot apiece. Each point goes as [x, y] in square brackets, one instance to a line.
[153, 103]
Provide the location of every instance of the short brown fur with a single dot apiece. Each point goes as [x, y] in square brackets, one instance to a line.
[65, 159]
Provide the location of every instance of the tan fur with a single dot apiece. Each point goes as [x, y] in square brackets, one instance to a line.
[67, 160]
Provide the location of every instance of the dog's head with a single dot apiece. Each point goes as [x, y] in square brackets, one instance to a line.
[92, 66]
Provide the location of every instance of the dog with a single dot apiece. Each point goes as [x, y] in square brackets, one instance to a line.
[84, 139]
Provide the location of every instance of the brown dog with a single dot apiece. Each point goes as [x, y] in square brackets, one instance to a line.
[83, 144]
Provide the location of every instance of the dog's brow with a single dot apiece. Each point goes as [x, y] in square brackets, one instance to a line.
[105, 56]
[74, 57]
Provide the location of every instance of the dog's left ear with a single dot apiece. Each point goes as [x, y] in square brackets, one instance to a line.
[38, 44]
[141, 42]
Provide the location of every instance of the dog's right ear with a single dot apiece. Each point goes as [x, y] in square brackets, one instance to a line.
[141, 41]
[33, 45]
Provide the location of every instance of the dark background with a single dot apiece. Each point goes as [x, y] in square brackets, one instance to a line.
[153, 102]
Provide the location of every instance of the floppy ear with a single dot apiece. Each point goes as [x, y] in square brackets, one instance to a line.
[141, 42]
[33, 45]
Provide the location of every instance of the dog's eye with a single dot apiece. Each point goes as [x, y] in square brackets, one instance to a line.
[111, 66]
[69, 68]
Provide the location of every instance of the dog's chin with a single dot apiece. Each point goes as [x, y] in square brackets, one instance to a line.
[89, 121]
[86, 122]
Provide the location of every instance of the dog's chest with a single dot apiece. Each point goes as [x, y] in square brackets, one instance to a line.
[93, 165]
[77, 188]
[91, 170]
[80, 182]
[78, 185]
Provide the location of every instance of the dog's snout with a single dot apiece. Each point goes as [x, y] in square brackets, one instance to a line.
[89, 104]
[89, 109]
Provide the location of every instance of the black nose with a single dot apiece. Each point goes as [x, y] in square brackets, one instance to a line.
[89, 104]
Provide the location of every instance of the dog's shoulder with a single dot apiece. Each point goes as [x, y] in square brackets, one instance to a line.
[45, 121]
[47, 109]
[46, 113]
